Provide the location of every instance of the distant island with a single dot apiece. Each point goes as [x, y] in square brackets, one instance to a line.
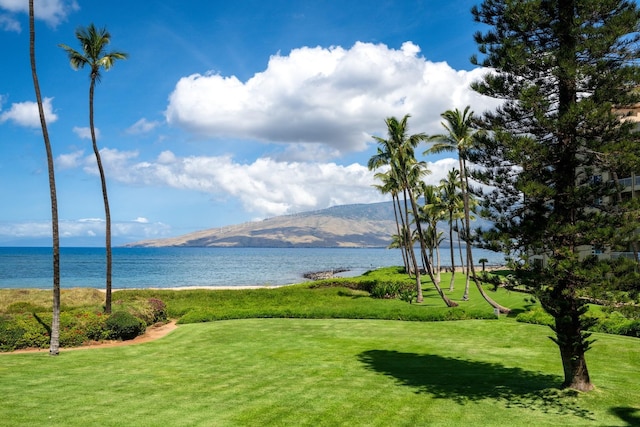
[346, 226]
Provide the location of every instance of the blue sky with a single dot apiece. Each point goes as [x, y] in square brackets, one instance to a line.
[225, 112]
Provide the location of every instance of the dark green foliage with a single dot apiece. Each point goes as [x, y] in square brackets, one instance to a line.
[10, 334]
[159, 310]
[123, 325]
[388, 290]
[554, 149]
[29, 330]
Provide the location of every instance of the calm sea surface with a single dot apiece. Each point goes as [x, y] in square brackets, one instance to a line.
[175, 267]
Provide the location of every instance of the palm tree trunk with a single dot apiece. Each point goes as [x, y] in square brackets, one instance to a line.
[467, 235]
[414, 206]
[54, 345]
[403, 249]
[459, 233]
[412, 252]
[105, 198]
[453, 260]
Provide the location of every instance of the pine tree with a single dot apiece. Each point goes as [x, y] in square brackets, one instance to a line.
[564, 69]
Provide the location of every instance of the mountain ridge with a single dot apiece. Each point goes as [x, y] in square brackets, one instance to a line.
[354, 225]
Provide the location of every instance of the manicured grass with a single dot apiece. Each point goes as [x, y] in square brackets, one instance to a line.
[259, 372]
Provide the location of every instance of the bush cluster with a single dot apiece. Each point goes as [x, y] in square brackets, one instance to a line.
[28, 326]
[609, 322]
[124, 325]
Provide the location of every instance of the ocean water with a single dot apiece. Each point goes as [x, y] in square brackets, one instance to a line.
[22, 267]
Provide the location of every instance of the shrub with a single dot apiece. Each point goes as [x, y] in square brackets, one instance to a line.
[10, 334]
[408, 295]
[536, 316]
[124, 325]
[387, 290]
[159, 309]
[615, 323]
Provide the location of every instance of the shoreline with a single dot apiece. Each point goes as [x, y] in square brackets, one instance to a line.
[196, 287]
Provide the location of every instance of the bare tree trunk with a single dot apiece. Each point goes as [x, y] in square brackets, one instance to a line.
[54, 345]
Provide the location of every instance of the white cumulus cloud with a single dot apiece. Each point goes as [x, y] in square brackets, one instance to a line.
[26, 113]
[265, 187]
[333, 96]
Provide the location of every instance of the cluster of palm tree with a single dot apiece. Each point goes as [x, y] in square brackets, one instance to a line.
[94, 55]
[417, 224]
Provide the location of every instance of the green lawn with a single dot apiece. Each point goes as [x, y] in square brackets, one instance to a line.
[339, 358]
[256, 372]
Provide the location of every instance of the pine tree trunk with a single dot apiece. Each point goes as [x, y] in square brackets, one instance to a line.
[570, 342]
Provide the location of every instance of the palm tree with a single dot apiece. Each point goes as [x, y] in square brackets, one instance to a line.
[390, 185]
[452, 201]
[54, 346]
[398, 152]
[460, 138]
[431, 213]
[94, 42]
[392, 153]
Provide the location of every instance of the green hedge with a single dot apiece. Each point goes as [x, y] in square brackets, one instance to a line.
[27, 326]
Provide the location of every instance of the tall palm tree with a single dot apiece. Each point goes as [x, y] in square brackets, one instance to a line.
[54, 346]
[460, 138]
[94, 43]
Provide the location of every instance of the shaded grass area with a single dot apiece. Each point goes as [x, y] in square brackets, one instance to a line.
[264, 372]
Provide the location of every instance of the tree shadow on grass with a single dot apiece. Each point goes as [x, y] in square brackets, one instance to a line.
[629, 415]
[464, 381]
